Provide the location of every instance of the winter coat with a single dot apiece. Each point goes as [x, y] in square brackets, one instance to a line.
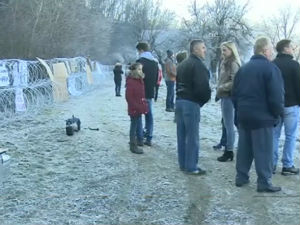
[290, 71]
[150, 69]
[192, 81]
[118, 73]
[227, 74]
[135, 95]
[170, 67]
[258, 94]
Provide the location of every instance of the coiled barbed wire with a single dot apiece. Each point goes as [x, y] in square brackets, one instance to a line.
[25, 86]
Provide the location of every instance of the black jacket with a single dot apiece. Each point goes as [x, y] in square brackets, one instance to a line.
[118, 73]
[192, 81]
[150, 69]
[290, 71]
[258, 94]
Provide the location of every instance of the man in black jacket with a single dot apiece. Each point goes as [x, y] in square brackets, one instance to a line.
[150, 69]
[258, 97]
[192, 92]
[290, 71]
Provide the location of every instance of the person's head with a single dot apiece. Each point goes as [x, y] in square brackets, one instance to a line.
[263, 47]
[169, 53]
[285, 46]
[229, 51]
[118, 65]
[142, 47]
[136, 70]
[197, 47]
[180, 56]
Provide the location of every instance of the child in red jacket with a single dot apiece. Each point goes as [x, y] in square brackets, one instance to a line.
[137, 105]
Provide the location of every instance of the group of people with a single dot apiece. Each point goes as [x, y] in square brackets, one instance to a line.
[258, 98]
[263, 96]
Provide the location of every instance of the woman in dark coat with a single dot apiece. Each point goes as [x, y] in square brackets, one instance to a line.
[118, 78]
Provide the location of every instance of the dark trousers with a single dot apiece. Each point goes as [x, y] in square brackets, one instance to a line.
[258, 145]
[156, 92]
[170, 94]
[223, 140]
[118, 87]
[136, 128]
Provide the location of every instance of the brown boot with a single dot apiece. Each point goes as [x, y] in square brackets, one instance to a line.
[135, 149]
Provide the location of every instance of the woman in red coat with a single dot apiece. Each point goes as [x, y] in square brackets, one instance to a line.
[137, 105]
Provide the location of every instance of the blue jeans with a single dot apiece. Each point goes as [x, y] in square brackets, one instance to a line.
[149, 121]
[187, 119]
[228, 120]
[223, 140]
[290, 122]
[136, 128]
[170, 94]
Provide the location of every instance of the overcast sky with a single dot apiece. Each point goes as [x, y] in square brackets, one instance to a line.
[257, 8]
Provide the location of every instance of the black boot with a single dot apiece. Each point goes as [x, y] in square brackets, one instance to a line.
[135, 149]
[227, 155]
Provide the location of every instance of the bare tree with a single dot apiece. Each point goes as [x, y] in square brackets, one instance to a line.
[56, 28]
[144, 18]
[216, 22]
[148, 19]
[282, 25]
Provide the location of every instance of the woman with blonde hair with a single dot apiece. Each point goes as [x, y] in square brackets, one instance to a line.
[229, 66]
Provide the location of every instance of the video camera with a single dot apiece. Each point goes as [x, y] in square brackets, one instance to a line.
[72, 125]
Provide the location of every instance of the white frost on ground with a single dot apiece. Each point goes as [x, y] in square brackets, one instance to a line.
[93, 178]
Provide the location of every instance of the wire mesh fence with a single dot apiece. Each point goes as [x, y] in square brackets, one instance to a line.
[28, 86]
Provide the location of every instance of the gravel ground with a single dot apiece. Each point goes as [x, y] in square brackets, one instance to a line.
[93, 178]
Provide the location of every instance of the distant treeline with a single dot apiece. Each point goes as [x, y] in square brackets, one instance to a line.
[69, 28]
[49, 29]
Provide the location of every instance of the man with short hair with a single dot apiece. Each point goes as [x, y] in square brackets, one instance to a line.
[192, 92]
[258, 97]
[290, 71]
[150, 69]
[170, 77]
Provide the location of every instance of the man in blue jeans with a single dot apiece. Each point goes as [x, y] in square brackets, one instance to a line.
[290, 71]
[192, 92]
[150, 69]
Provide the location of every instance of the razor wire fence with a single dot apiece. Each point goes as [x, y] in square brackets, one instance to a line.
[26, 86]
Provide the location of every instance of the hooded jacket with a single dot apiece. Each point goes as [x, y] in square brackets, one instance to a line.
[135, 94]
[150, 69]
